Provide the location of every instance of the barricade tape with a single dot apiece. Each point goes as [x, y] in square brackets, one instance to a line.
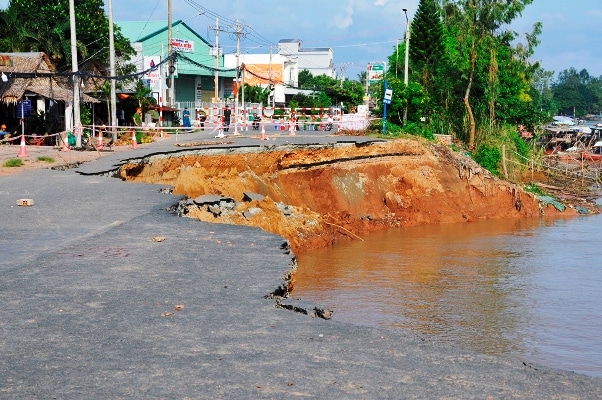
[34, 136]
[355, 124]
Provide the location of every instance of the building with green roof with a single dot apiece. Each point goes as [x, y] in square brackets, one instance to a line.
[195, 70]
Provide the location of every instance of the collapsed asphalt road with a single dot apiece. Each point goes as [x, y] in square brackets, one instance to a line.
[105, 293]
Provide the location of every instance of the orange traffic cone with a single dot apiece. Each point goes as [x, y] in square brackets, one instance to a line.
[263, 136]
[23, 148]
[134, 144]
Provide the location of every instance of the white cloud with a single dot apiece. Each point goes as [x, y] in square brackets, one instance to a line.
[380, 2]
[344, 18]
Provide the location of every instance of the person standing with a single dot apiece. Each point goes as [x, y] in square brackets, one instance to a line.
[292, 123]
[227, 116]
[202, 117]
[137, 118]
[186, 118]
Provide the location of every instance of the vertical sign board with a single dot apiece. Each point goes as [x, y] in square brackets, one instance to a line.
[24, 109]
[375, 72]
[198, 92]
[151, 78]
[388, 95]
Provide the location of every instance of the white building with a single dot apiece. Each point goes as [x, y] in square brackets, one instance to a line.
[282, 68]
[264, 70]
[318, 60]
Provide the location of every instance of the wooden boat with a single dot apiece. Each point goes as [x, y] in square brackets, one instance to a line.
[589, 156]
[595, 155]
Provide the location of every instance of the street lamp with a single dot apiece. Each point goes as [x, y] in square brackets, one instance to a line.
[405, 77]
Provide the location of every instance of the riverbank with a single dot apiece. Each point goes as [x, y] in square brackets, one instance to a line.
[106, 293]
[316, 195]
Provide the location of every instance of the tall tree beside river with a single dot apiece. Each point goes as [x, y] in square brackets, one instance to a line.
[475, 73]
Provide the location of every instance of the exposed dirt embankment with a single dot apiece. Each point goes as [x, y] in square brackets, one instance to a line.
[315, 195]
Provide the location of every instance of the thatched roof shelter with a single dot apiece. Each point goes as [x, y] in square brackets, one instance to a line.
[31, 64]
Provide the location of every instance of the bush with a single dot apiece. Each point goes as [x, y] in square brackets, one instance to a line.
[419, 129]
[522, 147]
[489, 157]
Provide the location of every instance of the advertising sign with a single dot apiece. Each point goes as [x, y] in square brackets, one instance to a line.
[24, 109]
[182, 45]
[152, 77]
[375, 72]
[258, 74]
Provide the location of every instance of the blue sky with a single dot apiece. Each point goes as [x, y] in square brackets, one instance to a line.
[363, 31]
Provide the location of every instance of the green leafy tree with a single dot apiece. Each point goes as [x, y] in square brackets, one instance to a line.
[542, 94]
[305, 79]
[427, 51]
[477, 25]
[43, 25]
[328, 91]
[577, 93]
[143, 95]
[321, 100]
[362, 78]
[256, 94]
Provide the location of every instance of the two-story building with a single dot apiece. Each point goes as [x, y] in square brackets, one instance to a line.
[317, 60]
[282, 68]
[196, 82]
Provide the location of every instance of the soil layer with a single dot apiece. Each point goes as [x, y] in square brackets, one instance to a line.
[315, 195]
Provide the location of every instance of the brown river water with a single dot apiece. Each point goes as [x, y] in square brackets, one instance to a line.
[529, 287]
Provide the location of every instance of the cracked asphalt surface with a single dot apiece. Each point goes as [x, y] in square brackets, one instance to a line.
[105, 293]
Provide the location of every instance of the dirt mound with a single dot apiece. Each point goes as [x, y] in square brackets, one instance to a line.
[315, 195]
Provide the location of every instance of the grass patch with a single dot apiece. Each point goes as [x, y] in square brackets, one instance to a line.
[13, 162]
[47, 159]
[533, 188]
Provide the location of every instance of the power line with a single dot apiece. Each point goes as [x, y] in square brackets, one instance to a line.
[86, 74]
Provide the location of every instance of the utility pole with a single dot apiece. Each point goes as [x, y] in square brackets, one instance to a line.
[216, 51]
[271, 84]
[113, 121]
[405, 78]
[76, 89]
[239, 33]
[172, 67]
[368, 69]
[385, 100]
[343, 68]
[397, 57]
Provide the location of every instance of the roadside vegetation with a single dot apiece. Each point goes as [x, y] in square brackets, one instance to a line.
[46, 159]
[13, 163]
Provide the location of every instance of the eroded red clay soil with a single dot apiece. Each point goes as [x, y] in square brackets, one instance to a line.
[340, 191]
